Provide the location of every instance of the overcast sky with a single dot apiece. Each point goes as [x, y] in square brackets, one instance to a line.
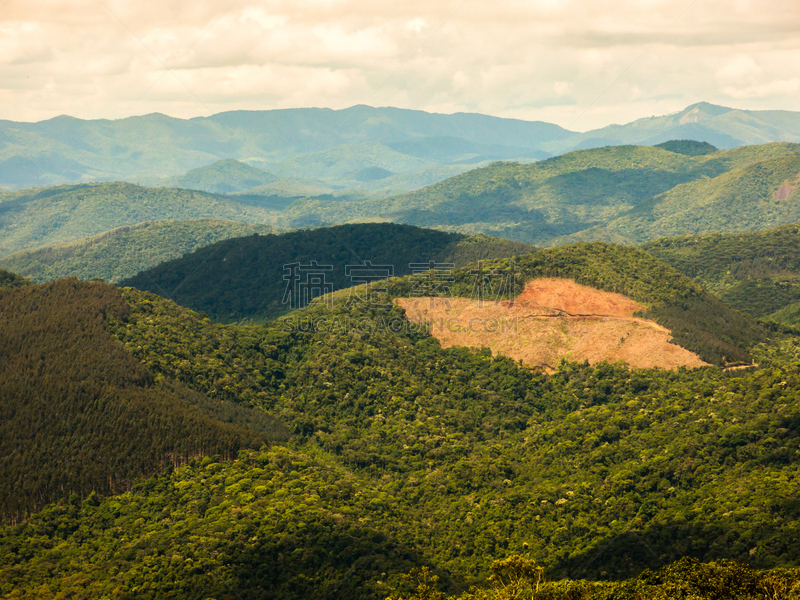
[581, 64]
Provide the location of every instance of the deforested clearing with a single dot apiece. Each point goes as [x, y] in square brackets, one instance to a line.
[553, 319]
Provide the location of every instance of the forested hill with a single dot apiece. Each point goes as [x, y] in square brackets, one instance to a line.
[749, 198]
[45, 217]
[124, 251]
[624, 194]
[573, 194]
[9, 280]
[756, 272]
[408, 455]
[246, 278]
[222, 177]
[80, 414]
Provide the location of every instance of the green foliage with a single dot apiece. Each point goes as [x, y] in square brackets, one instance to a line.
[227, 363]
[471, 455]
[748, 198]
[710, 328]
[406, 455]
[789, 315]
[271, 524]
[125, 251]
[686, 578]
[222, 177]
[586, 195]
[426, 588]
[755, 272]
[69, 390]
[688, 147]
[9, 280]
[244, 278]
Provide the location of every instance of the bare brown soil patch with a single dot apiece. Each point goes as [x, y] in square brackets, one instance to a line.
[783, 192]
[553, 319]
[569, 298]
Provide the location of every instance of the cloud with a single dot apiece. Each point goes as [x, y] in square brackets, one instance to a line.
[579, 64]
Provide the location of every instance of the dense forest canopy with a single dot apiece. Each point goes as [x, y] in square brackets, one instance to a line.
[755, 272]
[69, 390]
[221, 442]
[408, 455]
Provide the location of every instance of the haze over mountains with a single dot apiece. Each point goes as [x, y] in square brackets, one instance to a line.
[620, 194]
[377, 150]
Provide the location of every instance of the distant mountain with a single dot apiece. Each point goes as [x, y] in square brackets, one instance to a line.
[575, 194]
[45, 217]
[621, 194]
[139, 149]
[247, 278]
[756, 272]
[222, 177]
[703, 122]
[125, 251]
[335, 146]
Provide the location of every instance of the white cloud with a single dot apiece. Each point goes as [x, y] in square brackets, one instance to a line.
[417, 25]
[740, 68]
[783, 87]
[579, 64]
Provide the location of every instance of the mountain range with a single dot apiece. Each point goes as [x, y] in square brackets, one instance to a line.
[619, 194]
[377, 150]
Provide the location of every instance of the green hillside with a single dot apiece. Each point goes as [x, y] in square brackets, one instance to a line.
[222, 177]
[345, 164]
[9, 280]
[688, 147]
[756, 272]
[624, 194]
[750, 198]
[244, 278]
[125, 251]
[82, 415]
[573, 194]
[408, 455]
[35, 218]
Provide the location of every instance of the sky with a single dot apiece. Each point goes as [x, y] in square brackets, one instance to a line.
[581, 64]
